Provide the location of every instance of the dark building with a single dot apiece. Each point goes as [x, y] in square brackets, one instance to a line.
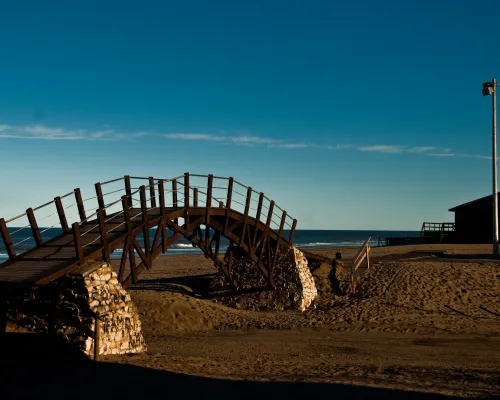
[474, 221]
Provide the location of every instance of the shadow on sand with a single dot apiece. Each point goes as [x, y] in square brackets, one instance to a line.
[40, 367]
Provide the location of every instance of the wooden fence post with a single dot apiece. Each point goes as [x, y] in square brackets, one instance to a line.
[228, 202]
[186, 189]
[61, 214]
[144, 213]
[7, 240]
[100, 197]
[78, 243]
[102, 231]
[163, 213]
[34, 227]
[128, 190]
[79, 204]
[97, 336]
[152, 193]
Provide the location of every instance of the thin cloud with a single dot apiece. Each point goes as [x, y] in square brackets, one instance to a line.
[383, 149]
[443, 155]
[421, 149]
[340, 147]
[292, 145]
[43, 132]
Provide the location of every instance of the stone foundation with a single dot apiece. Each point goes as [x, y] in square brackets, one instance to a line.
[121, 327]
[295, 287]
[68, 307]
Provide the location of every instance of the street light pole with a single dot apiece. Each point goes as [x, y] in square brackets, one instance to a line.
[489, 88]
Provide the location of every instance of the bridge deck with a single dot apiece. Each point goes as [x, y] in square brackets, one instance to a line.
[57, 256]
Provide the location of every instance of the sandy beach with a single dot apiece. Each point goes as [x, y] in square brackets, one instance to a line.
[425, 320]
[419, 322]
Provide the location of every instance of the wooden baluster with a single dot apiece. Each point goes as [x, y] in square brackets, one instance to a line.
[208, 204]
[100, 197]
[174, 198]
[278, 242]
[77, 239]
[34, 227]
[128, 190]
[292, 232]
[152, 193]
[245, 217]
[228, 202]
[195, 197]
[62, 215]
[163, 213]
[79, 204]
[145, 220]
[186, 189]
[186, 201]
[102, 231]
[7, 240]
[257, 220]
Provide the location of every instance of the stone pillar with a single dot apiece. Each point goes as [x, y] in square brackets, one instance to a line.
[121, 327]
[67, 307]
[295, 287]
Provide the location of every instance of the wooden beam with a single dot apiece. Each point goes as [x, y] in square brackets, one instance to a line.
[7, 240]
[34, 227]
[100, 197]
[77, 239]
[186, 189]
[79, 204]
[128, 190]
[102, 231]
[61, 214]
[152, 192]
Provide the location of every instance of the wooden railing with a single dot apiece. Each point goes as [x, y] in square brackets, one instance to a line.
[118, 196]
[362, 254]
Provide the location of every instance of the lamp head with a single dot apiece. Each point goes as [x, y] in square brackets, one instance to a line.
[487, 88]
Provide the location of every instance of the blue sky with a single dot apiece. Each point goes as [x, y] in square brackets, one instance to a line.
[351, 115]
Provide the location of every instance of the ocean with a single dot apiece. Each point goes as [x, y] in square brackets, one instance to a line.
[303, 239]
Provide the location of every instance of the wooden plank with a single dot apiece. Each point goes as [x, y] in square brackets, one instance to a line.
[152, 192]
[61, 214]
[34, 227]
[80, 205]
[7, 240]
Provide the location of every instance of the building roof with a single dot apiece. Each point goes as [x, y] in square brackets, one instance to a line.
[470, 203]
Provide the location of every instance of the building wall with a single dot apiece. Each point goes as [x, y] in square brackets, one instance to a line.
[473, 224]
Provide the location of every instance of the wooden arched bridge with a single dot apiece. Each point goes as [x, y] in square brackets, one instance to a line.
[200, 208]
